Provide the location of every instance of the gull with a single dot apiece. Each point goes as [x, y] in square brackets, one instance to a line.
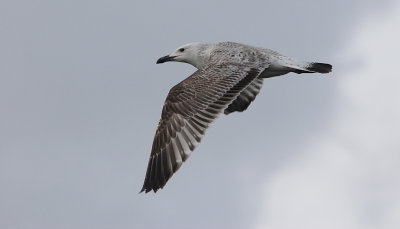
[228, 78]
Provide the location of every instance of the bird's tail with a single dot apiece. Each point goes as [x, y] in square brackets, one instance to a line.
[288, 64]
[318, 67]
[308, 67]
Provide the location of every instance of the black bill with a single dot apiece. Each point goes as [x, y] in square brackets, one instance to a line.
[165, 59]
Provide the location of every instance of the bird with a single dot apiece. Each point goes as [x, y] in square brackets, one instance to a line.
[229, 76]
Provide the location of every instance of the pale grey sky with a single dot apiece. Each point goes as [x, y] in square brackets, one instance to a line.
[81, 95]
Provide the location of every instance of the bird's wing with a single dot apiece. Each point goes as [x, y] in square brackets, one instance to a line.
[245, 97]
[188, 110]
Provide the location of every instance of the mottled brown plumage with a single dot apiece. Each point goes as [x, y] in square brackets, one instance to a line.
[188, 110]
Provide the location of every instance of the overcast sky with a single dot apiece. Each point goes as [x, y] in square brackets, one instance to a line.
[81, 96]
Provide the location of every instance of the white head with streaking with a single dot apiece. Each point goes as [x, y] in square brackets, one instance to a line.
[196, 54]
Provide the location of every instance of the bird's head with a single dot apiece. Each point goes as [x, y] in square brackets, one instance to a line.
[193, 53]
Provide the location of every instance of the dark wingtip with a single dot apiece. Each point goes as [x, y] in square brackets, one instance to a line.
[145, 190]
[320, 67]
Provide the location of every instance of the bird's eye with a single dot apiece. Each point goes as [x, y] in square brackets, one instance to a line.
[181, 49]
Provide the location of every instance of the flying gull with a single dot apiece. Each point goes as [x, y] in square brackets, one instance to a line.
[228, 79]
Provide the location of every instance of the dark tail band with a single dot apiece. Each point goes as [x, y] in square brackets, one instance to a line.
[319, 67]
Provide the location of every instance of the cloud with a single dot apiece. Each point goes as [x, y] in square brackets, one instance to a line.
[349, 177]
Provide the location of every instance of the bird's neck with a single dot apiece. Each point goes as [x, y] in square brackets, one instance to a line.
[201, 59]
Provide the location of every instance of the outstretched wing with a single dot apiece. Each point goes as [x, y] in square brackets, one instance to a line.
[245, 97]
[188, 110]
